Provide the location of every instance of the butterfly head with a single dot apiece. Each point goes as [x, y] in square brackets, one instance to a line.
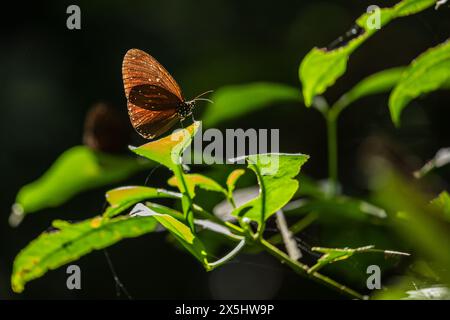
[184, 110]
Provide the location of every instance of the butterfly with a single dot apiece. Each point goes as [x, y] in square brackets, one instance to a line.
[154, 99]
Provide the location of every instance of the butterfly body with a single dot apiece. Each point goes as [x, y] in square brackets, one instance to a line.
[155, 102]
[184, 110]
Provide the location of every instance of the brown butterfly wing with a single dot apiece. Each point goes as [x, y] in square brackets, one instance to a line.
[151, 124]
[140, 68]
[153, 95]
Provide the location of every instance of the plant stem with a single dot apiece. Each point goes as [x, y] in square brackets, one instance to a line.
[296, 227]
[186, 200]
[302, 269]
[332, 151]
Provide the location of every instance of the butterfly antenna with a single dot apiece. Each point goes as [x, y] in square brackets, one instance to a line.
[203, 99]
[202, 94]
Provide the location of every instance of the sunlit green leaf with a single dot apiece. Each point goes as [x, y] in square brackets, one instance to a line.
[234, 101]
[197, 180]
[168, 150]
[123, 198]
[178, 229]
[71, 241]
[321, 67]
[275, 173]
[76, 170]
[442, 202]
[429, 72]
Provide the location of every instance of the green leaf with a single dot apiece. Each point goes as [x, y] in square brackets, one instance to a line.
[321, 67]
[234, 101]
[332, 255]
[123, 198]
[197, 180]
[178, 229]
[379, 82]
[76, 170]
[168, 150]
[56, 248]
[442, 203]
[428, 72]
[275, 173]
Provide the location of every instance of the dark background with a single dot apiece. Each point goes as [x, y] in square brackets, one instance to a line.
[52, 75]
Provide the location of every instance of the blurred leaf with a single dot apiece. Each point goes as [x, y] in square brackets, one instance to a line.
[431, 293]
[178, 229]
[321, 67]
[406, 288]
[336, 208]
[379, 82]
[56, 248]
[197, 180]
[275, 173]
[168, 150]
[428, 72]
[122, 198]
[442, 202]
[310, 187]
[421, 225]
[77, 169]
[234, 101]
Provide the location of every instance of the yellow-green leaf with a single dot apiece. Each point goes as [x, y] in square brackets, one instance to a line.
[197, 180]
[168, 150]
[122, 198]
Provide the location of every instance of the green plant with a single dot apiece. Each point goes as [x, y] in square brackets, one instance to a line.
[278, 191]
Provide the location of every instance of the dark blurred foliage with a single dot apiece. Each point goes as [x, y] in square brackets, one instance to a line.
[52, 76]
